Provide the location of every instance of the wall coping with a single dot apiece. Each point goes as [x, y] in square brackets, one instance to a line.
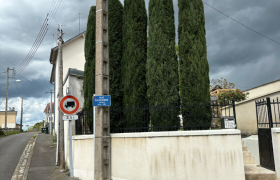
[86, 136]
[167, 134]
[275, 130]
[178, 133]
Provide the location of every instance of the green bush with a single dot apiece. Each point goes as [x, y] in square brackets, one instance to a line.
[89, 72]
[162, 65]
[133, 63]
[115, 56]
[1, 132]
[194, 68]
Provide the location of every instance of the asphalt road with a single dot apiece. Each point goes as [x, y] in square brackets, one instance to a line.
[11, 148]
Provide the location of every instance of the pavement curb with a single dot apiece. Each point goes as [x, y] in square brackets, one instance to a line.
[23, 165]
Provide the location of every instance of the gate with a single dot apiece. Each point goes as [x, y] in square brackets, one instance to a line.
[265, 121]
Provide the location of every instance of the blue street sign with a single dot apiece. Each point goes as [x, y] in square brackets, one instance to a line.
[101, 100]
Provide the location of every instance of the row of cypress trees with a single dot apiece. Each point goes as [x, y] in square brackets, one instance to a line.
[144, 72]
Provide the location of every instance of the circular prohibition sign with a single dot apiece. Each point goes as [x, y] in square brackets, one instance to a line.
[69, 97]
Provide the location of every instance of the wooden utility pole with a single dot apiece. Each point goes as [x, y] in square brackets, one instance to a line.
[60, 91]
[21, 114]
[102, 116]
[7, 87]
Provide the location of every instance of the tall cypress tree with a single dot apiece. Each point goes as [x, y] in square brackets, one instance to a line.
[134, 59]
[162, 64]
[194, 68]
[115, 56]
[89, 71]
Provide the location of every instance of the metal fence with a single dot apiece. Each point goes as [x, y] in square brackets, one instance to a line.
[152, 118]
[84, 123]
[169, 117]
[268, 113]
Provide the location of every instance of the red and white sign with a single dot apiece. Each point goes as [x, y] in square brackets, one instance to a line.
[69, 104]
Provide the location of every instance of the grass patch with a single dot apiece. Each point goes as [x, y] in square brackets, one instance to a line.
[12, 132]
[54, 138]
[34, 136]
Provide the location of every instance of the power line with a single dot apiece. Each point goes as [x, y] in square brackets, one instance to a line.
[241, 23]
[53, 9]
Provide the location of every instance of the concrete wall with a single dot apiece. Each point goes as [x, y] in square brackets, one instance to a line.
[275, 132]
[11, 119]
[83, 156]
[180, 155]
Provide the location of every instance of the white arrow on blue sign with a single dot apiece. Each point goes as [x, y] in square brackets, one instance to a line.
[101, 100]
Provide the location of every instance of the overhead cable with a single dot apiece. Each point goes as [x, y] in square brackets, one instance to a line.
[241, 23]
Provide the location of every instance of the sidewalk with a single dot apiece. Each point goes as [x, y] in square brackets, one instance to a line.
[43, 161]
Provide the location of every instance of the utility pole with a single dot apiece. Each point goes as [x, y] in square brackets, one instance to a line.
[7, 96]
[102, 116]
[51, 111]
[60, 91]
[21, 114]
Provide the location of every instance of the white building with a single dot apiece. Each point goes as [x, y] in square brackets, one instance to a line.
[48, 117]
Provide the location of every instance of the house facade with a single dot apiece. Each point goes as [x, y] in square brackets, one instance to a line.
[73, 58]
[11, 119]
[48, 117]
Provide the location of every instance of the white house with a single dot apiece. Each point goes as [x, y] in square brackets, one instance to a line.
[73, 66]
[47, 112]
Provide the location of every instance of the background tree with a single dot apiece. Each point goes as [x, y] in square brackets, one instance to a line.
[89, 70]
[115, 55]
[221, 82]
[194, 68]
[134, 58]
[162, 64]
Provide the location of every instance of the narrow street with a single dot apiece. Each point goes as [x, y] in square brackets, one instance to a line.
[11, 148]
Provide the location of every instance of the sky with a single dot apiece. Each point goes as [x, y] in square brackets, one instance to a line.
[234, 52]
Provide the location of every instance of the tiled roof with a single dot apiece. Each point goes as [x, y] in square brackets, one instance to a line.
[48, 107]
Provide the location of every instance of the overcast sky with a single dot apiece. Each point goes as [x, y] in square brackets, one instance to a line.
[234, 52]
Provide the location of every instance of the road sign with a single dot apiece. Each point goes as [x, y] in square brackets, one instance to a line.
[69, 117]
[101, 100]
[69, 104]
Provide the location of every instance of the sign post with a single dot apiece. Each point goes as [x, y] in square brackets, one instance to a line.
[98, 101]
[69, 105]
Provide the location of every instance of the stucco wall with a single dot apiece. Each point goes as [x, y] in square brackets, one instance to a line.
[11, 119]
[76, 86]
[264, 90]
[83, 156]
[181, 155]
[275, 133]
[73, 57]
[246, 113]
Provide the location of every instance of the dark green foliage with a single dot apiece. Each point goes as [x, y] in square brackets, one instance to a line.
[134, 58]
[194, 68]
[162, 64]
[115, 56]
[89, 72]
